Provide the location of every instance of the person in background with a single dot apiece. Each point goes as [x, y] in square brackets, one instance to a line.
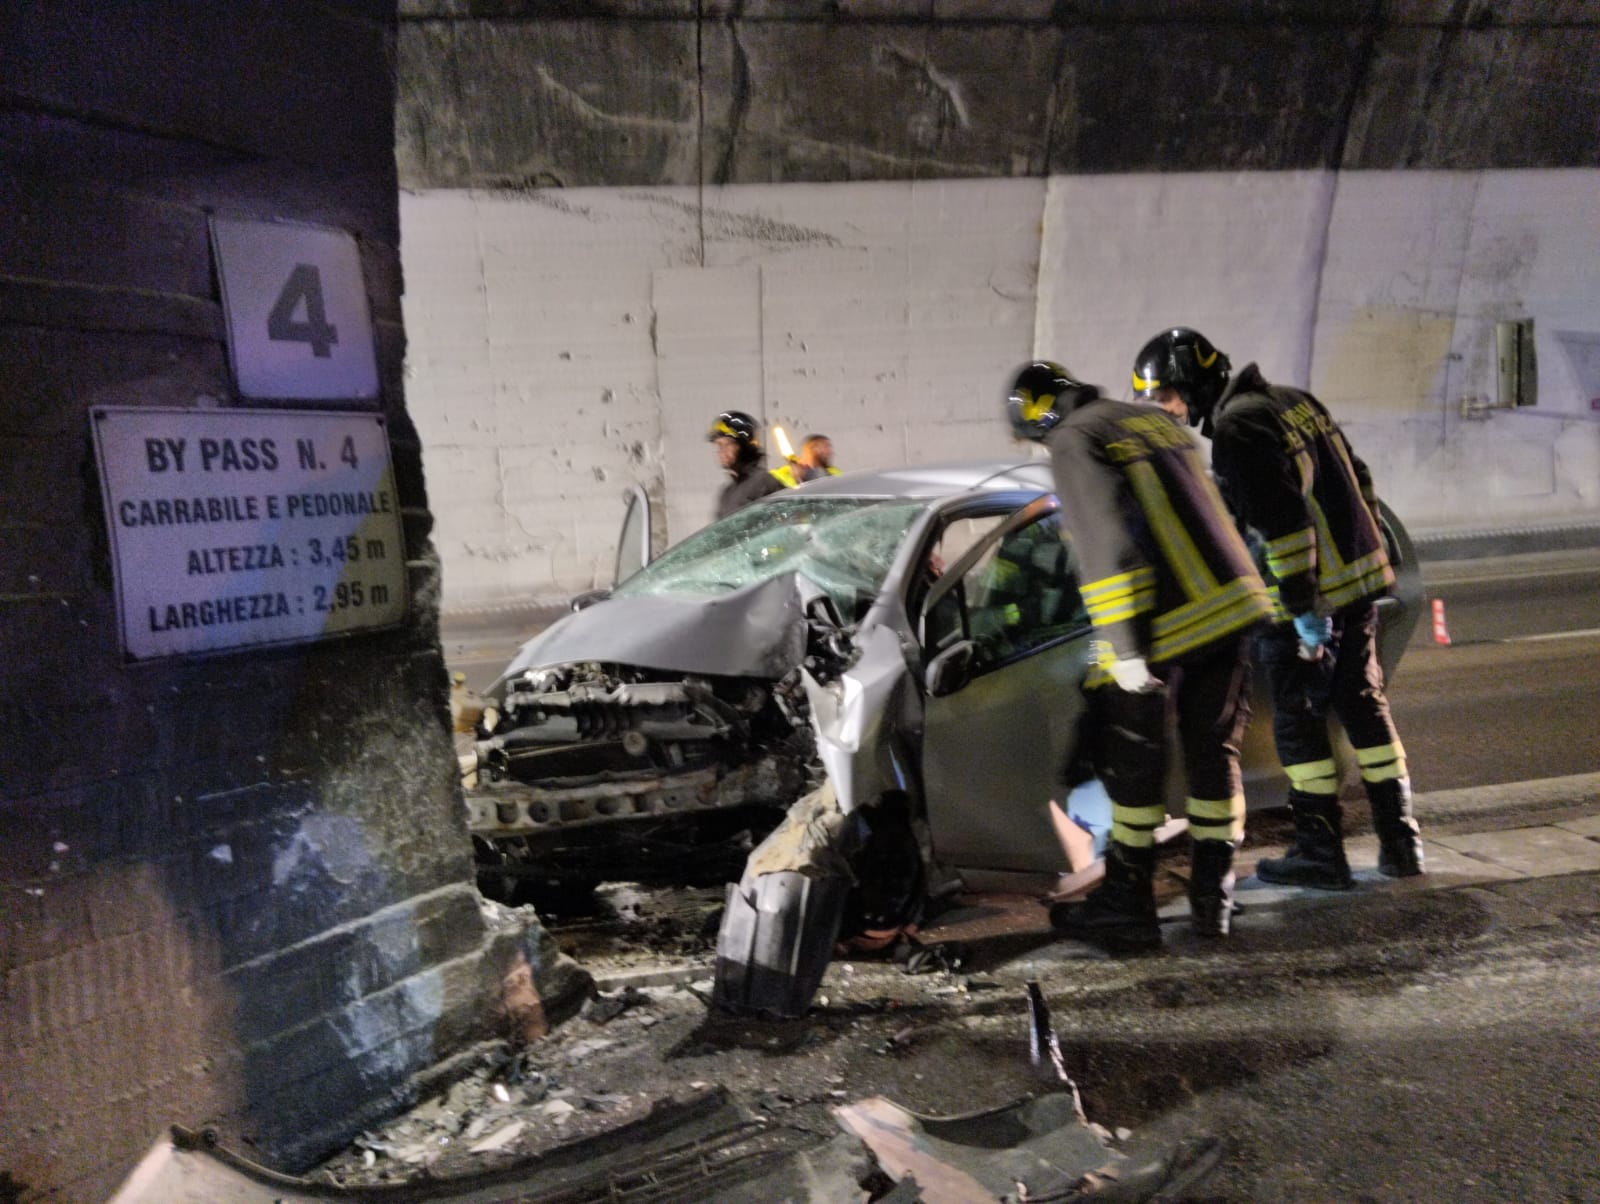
[815, 459]
[738, 443]
[1172, 593]
[1288, 472]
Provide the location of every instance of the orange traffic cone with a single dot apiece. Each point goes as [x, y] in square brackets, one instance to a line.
[1441, 633]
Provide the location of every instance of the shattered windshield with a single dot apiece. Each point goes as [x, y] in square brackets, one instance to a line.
[844, 545]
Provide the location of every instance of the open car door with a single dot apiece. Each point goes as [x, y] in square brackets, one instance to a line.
[634, 549]
[1005, 643]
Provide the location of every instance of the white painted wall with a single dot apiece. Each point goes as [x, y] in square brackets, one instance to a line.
[564, 343]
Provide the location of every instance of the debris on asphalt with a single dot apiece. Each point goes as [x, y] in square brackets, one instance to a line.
[603, 1009]
[582, 1049]
[1044, 1048]
[557, 1110]
[500, 1138]
[917, 958]
[1047, 1151]
[929, 1040]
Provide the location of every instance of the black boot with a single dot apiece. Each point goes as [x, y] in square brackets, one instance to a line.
[1120, 914]
[1316, 857]
[1399, 837]
[1211, 886]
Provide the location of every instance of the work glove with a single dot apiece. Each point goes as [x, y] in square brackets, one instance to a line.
[1134, 676]
[1314, 631]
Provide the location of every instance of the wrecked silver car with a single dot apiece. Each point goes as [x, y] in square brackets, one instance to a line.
[654, 735]
[856, 632]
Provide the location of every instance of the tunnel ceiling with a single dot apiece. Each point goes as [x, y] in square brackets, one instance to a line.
[515, 93]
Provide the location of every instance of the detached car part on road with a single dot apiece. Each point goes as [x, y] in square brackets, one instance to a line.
[913, 637]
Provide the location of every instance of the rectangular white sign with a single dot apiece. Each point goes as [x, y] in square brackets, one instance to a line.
[299, 327]
[238, 528]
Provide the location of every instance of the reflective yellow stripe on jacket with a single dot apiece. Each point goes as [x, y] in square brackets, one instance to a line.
[1214, 610]
[1114, 599]
[1339, 583]
[1290, 554]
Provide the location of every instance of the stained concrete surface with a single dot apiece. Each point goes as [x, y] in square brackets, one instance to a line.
[1427, 1039]
[904, 89]
[1530, 851]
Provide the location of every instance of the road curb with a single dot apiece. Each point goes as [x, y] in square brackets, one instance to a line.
[1508, 798]
[1481, 543]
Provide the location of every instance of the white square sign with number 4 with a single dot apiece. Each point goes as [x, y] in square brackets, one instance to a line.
[299, 326]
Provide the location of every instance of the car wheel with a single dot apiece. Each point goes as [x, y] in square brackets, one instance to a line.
[891, 879]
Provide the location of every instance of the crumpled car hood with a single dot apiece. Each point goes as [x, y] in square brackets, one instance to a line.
[759, 631]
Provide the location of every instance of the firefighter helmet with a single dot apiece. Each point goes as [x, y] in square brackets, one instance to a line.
[1042, 394]
[1184, 360]
[738, 426]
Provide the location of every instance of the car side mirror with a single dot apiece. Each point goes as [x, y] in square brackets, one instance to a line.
[589, 597]
[951, 669]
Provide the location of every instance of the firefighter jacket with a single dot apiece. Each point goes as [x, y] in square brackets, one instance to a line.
[792, 474]
[1164, 570]
[1287, 470]
[748, 480]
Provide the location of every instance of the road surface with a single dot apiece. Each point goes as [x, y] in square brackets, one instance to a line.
[1516, 694]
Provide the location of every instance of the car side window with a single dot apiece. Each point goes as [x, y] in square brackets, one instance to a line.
[944, 625]
[959, 535]
[1022, 593]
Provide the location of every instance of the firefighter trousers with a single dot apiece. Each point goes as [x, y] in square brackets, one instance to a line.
[1346, 682]
[1210, 697]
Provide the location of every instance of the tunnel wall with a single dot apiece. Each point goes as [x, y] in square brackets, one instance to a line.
[235, 890]
[857, 215]
[565, 343]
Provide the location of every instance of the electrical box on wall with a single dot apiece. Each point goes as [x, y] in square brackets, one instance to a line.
[1517, 368]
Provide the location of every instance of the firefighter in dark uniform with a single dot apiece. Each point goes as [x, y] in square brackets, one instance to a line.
[1172, 593]
[1287, 471]
[739, 453]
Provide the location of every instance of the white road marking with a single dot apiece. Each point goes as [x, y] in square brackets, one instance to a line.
[1586, 633]
[1469, 577]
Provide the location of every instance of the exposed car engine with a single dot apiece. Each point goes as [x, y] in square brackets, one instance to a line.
[699, 767]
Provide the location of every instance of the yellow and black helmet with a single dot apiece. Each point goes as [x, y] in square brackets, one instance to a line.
[1042, 394]
[1184, 360]
[738, 426]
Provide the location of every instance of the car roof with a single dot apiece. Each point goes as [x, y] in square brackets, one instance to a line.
[937, 480]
